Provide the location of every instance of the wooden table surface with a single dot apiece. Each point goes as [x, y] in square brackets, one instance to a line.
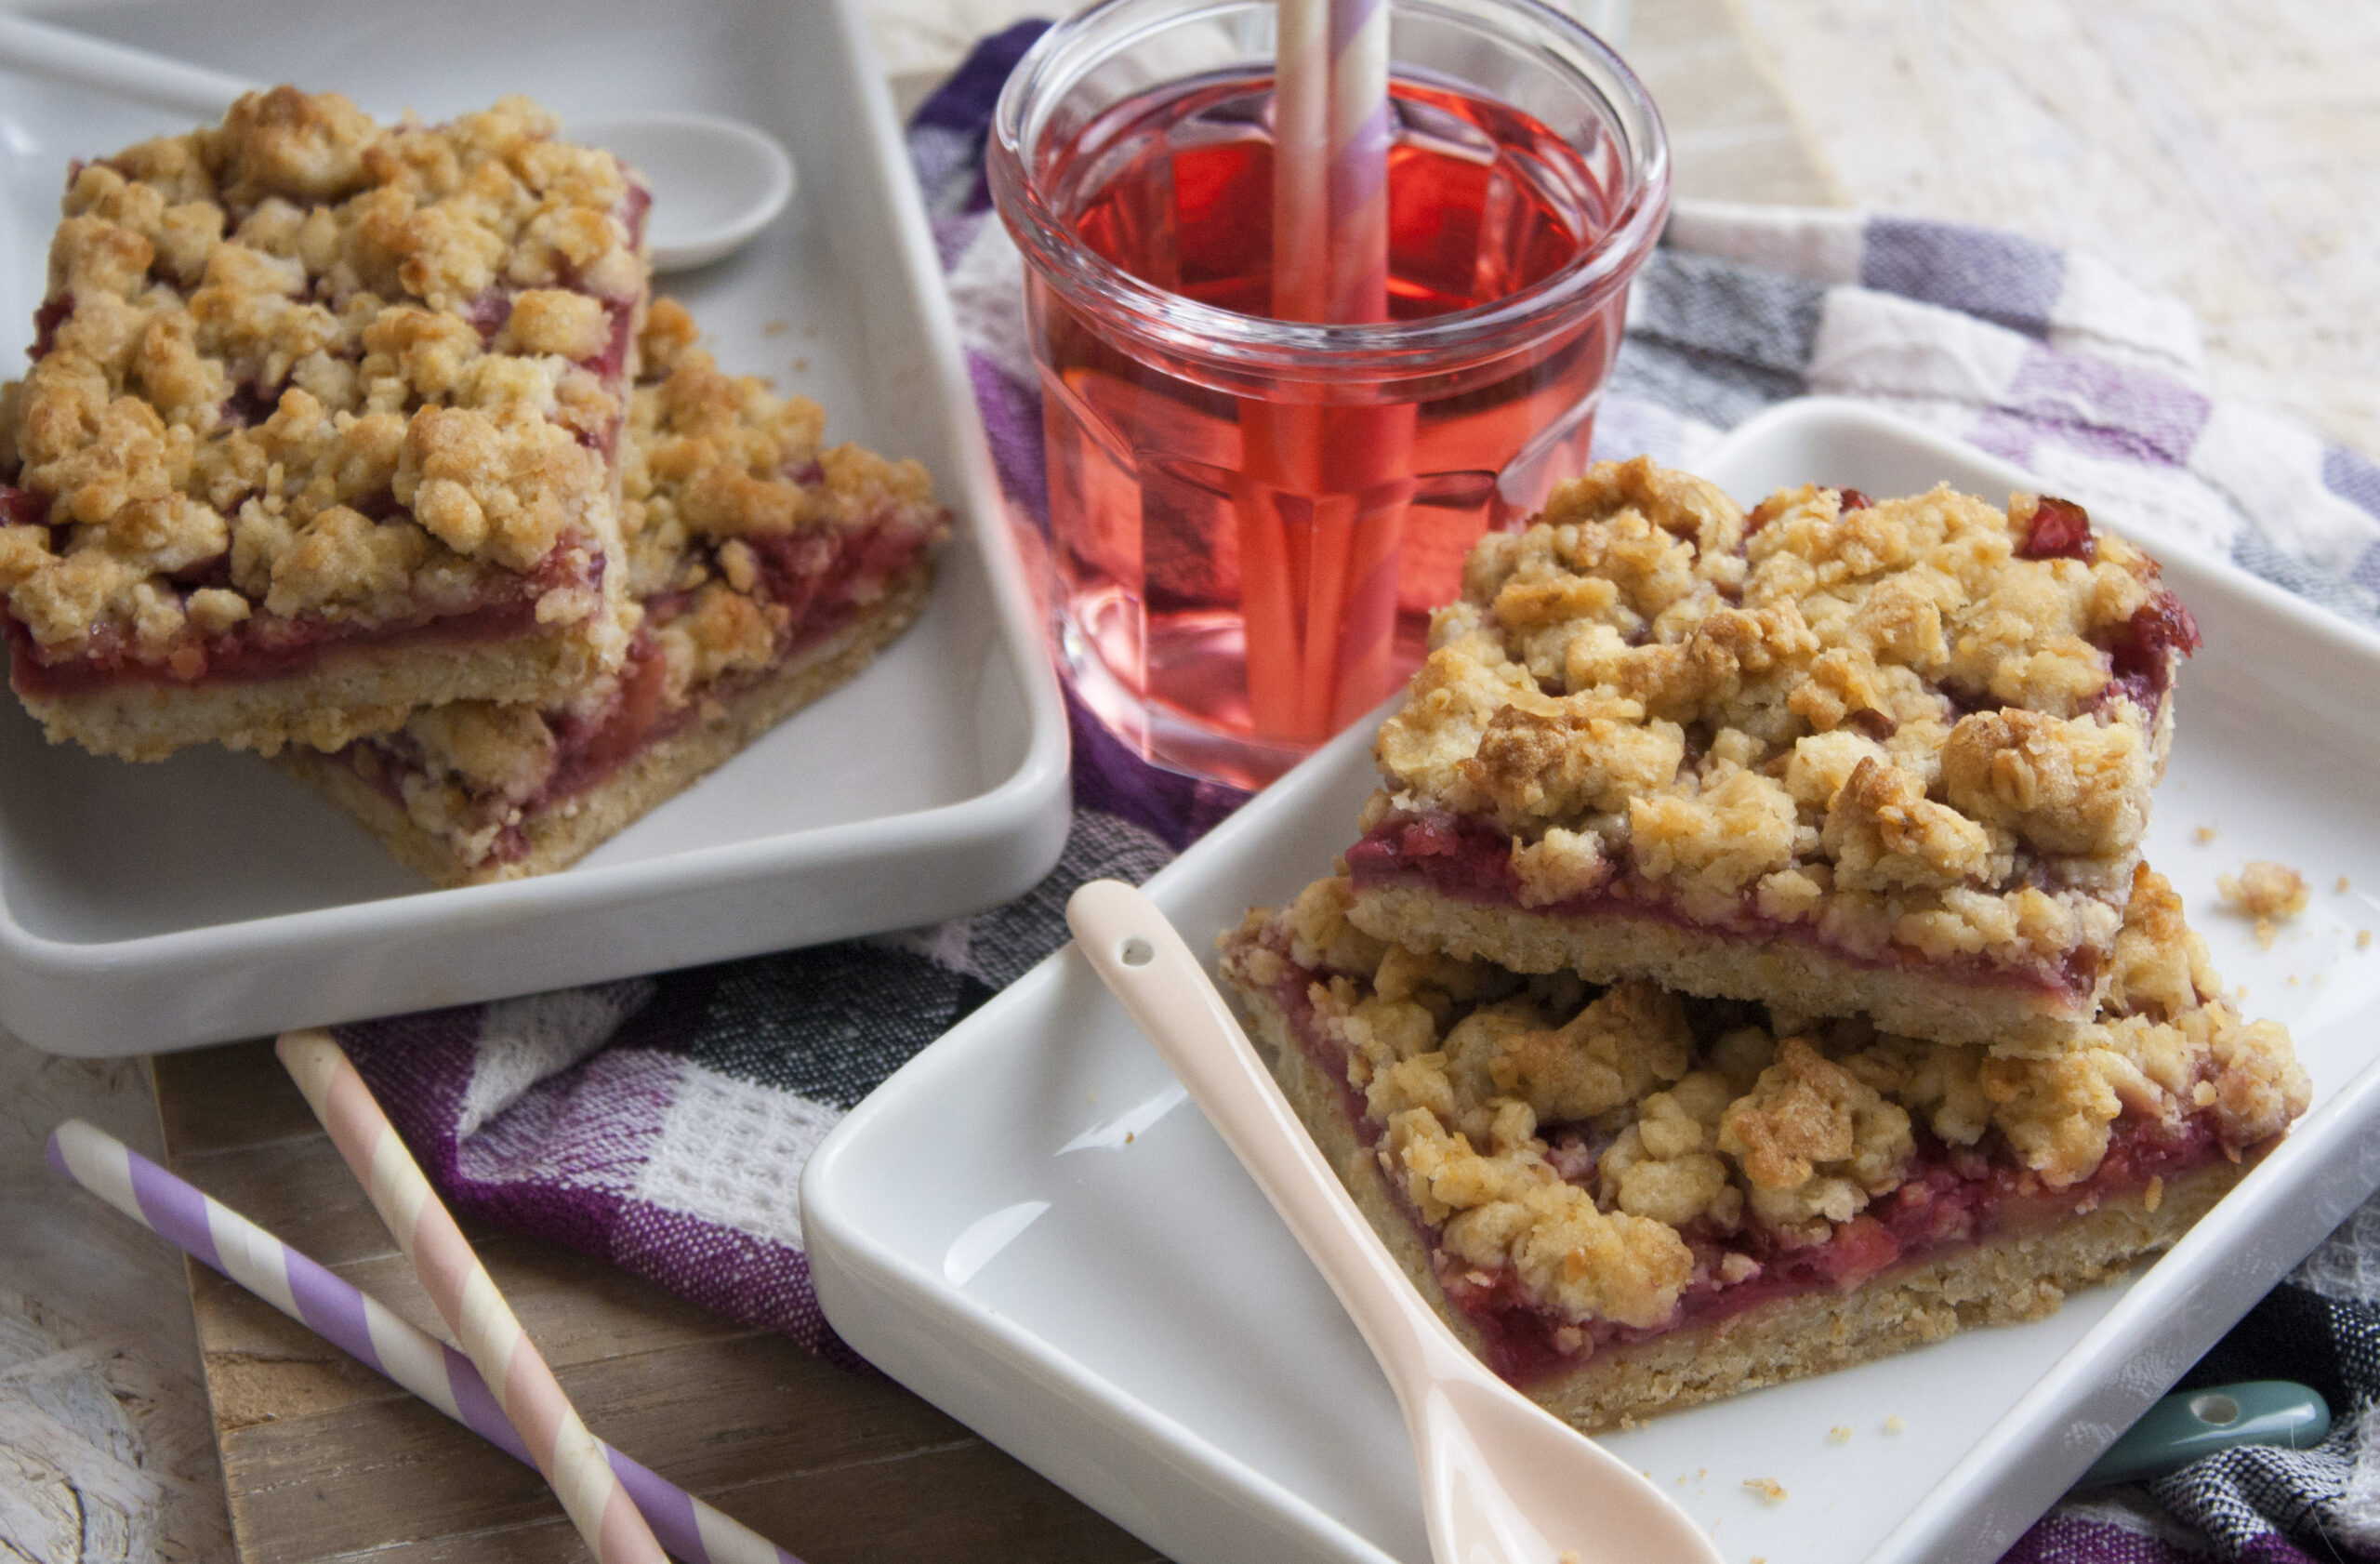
[2217, 148]
[324, 1459]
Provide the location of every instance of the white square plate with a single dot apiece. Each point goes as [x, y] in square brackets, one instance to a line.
[1026, 1226]
[148, 908]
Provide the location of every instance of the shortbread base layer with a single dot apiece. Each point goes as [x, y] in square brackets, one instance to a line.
[2008, 1279]
[561, 836]
[345, 696]
[1792, 976]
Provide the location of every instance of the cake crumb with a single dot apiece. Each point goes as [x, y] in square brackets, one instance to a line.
[2363, 939]
[1894, 1424]
[2154, 1196]
[776, 328]
[2343, 887]
[1839, 1434]
[802, 367]
[1771, 1491]
[2292, 980]
[2265, 930]
[2264, 890]
[2204, 835]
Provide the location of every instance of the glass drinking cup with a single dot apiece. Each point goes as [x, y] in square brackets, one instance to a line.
[1252, 518]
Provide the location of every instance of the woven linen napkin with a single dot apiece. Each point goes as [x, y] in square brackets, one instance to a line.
[662, 1123]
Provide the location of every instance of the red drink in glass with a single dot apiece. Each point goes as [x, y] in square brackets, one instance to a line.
[1211, 500]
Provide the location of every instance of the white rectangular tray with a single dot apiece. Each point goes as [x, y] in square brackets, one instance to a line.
[1026, 1226]
[148, 908]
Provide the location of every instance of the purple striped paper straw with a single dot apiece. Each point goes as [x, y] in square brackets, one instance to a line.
[363, 1328]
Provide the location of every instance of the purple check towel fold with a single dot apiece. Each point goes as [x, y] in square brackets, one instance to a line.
[662, 1123]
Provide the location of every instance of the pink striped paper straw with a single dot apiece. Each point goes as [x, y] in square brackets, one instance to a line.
[1302, 161]
[1358, 161]
[467, 1299]
[363, 1328]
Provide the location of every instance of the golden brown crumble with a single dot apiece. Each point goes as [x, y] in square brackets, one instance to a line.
[2266, 890]
[364, 366]
[1799, 1130]
[709, 462]
[1770, 1490]
[1883, 717]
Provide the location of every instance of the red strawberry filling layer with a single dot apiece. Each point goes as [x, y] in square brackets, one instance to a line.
[495, 608]
[826, 581]
[1470, 860]
[1949, 1197]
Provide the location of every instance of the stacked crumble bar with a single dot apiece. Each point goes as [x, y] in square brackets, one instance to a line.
[1748, 967]
[322, 426]
[356, 446]
[763, 573]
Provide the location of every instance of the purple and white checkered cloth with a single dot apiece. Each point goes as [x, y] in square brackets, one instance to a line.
[662, 1123]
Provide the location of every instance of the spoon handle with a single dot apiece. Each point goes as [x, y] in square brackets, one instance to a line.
[118, 71]
[1160, 983]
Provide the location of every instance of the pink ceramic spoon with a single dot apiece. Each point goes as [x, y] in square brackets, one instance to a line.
[1502, 1482]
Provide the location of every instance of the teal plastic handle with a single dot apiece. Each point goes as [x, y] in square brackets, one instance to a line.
[2193, 1425]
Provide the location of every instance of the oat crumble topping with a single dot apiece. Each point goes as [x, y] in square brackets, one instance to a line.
[1667, 1126]
[305, 366]
[713, 465]
[1914, 721]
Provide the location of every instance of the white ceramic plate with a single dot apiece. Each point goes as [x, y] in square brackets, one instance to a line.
[146, 908]
[1027, 1227]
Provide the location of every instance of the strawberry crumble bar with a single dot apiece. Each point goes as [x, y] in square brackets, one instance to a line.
[1628, 1200]
[320, 428]
[1887, 759]
[763, 572]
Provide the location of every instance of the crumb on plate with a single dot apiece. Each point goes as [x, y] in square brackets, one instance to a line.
[1894, 1424]
[2203, 835]
[2264, 890]
[1839, 1434]
[1771, 1491]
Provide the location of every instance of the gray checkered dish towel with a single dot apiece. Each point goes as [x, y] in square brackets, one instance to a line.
[661, 1123]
